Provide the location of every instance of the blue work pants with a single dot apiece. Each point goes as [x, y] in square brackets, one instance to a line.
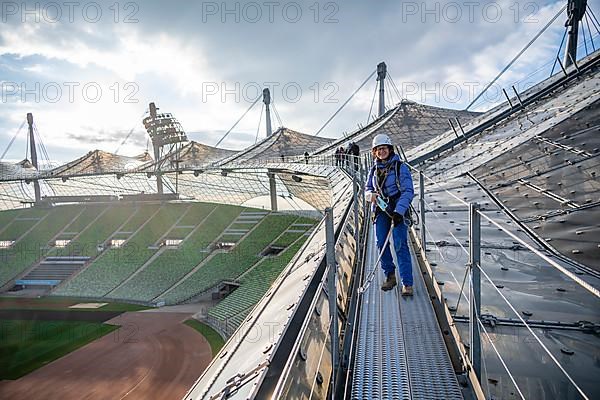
[400, 236]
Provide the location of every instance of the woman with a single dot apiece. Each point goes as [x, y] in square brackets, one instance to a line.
[389, 187]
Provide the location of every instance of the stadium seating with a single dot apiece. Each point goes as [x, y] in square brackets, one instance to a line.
[116, 264]
[230, 265]
[97, 233]
[142, 269]
[6, 218]
[230, 312]
[172, 264]
[32, 244]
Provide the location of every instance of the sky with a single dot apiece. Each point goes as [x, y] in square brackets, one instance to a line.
[87, 70]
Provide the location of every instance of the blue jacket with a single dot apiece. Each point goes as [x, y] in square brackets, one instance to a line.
[403, 195]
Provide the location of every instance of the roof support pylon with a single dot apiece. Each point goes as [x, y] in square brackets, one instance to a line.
[34, 159]
[575, 13]
[381, 73]
[267, 101]
[272, 191]
[156, 146]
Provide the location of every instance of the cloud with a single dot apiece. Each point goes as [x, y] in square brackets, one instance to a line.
[174, 52]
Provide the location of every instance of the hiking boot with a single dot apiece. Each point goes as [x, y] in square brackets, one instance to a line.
[407, 290]
[390, 282]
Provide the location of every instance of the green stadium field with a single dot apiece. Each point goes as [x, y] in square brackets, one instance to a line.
[28, 345]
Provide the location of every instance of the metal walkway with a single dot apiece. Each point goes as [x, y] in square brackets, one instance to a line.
[400, 352]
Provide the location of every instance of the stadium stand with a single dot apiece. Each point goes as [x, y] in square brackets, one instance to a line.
[230, 265]
[229, 313]
[114, 265]
[173, 264]
[93, 238]
[6, 217]
[32, 231]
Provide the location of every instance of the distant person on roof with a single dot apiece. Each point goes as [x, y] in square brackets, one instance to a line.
[389, 187]
[355, 152]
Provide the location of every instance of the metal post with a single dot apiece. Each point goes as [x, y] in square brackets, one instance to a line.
[332, 292]
[517, 94]
[452, 126]
[355, 195]
[507, 98]
[562, 66]
[273, 191]
[461, 127]
[422, 210]
[475, 292]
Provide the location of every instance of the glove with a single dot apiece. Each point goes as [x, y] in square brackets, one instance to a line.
[397, 219]
[389, 210]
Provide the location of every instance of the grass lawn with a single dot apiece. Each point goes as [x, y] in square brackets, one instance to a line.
[28, 345]
[214, 339]
[62, 303]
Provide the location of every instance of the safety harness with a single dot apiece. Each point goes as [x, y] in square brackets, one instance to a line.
[380, 175]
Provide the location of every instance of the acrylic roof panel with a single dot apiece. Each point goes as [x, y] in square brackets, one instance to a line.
[408, 124]
[552, 184]
[239, 183]
[541, 163]
[9, 171]
[284, 142]
[193, 154]
[529, 282]
[97, 162]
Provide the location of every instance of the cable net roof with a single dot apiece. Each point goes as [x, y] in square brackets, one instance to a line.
[193, 154]
[542, 163]
[21, 170]
[98, 161]
[283, 142]
[408, 124]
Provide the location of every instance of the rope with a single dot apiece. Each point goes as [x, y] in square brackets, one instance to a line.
[237, 122]
[510, 375]
[451, 234]
[553, 263]
[462, 286]
[395, 88]
[485, 375]
[587, 21]
[372, 102]
[517, 56]
[27, 147]
[558, 52]
[388, 95]
[371, 275]
[556, 265]
[13, 139]
[129, 134]
[594, 24]
[346, 102]
[277, 114]
[41, 146]
[259, 121]
[392, 92]
[593, 15]
[534, 335]
[584, 39]
[437, 184]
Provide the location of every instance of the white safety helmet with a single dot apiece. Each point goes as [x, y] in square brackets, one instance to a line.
[380, 140]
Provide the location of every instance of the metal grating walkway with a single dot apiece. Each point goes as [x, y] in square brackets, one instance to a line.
[400, 352]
